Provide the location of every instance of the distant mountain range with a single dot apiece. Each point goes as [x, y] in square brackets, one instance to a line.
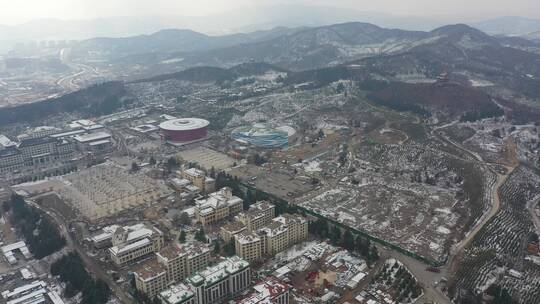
[392, 64]
[309, 48]
[168, 41]
[240, 21]
[533, 36]
[513, 26]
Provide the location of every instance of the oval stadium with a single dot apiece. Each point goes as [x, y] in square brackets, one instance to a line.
[184, 129]
[261, 136]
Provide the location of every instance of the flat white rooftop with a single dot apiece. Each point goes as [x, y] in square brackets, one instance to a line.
[85, 138]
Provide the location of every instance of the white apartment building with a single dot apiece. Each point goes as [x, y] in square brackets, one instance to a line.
[221, 282]
[178, 294]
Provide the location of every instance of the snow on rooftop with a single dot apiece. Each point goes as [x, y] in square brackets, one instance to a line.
[176, 293]
[138, 244]
[6, 142]
[212, 274]
[84, 138]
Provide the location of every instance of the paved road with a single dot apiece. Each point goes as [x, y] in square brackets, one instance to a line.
[89, 261]
[426, 278]
[494, 209]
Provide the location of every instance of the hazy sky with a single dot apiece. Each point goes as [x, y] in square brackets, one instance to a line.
[20, 11]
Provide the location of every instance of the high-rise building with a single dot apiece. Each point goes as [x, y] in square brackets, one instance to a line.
[216, 284]
[258, 215]
[228, 231]
[248, 246]
[182, 261]
[150, 278]
[276, 236]
[225, 280]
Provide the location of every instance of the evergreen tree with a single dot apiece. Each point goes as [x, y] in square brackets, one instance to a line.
[335, 236]
[217, 248]
[229, 248]
[182, 237]
[200, 235]
[358, 243]
[348, 240]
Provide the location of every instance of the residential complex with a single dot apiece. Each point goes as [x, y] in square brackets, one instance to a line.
[150, 278]
[217, 206]
[182, 261]
[258, 215]
[172, 265]
[178, 294]
[229, 230]
[276, 236]
[248, 246]
[220, 282]
[213, 284]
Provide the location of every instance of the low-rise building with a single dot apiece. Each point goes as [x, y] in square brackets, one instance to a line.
[198, 178]
[228, 231]
[131, 243]
[271, 290]
[151, 278]
[33, 293]
[9, 251]
[94, 142]
[104, 239]
[217, 206]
